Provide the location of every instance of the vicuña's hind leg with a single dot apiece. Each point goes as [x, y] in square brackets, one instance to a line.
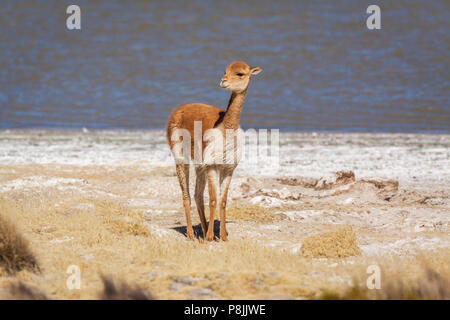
[225, 179]
[183, 178]
[213, 191]
[199, 190]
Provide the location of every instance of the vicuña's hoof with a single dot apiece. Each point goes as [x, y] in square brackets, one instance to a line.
[190, 234]
[223, 234]
[209, 237]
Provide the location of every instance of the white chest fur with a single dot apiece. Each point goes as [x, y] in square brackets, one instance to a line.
[222, 147]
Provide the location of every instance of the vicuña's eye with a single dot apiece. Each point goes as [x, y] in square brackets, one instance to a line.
[239, 74]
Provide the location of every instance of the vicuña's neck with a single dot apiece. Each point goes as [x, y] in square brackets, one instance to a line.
[233, 113]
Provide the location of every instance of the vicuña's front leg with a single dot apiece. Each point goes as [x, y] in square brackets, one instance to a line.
[212, 188]
[225, 180]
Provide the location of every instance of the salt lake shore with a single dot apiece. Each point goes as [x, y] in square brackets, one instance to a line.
[110, 203]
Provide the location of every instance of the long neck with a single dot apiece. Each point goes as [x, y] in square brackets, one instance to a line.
[233, 113]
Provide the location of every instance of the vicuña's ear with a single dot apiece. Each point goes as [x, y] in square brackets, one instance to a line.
[255, 71]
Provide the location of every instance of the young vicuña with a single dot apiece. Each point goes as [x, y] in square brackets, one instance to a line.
[218, 149]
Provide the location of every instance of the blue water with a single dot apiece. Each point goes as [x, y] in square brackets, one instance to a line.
[134, 61]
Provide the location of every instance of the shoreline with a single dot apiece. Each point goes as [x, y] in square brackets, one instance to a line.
[409, 158]
[287, 131]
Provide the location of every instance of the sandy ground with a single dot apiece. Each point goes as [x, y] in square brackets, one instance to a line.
[109, 202]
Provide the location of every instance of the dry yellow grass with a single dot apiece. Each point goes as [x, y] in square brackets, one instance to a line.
[238, 269]
[112, 290]
[431, 285]
[120, 290]
[21, 291]
[335, 244]
[99, 231]
[122, 221]
[251, 213]
[15, 254]
[233, 270]
[95, 242]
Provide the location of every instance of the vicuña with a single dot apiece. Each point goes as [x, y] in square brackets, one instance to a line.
[216, 165]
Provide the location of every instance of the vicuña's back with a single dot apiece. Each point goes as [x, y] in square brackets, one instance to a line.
[215, 123]
[184, 117]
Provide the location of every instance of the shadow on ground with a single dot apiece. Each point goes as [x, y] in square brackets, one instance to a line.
[198, 233]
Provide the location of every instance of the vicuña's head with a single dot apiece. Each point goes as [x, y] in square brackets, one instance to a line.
[237, 76]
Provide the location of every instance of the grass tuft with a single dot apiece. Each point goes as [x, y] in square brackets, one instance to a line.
[15, 254]
[21, 291]
[122, 291]
[335, 244]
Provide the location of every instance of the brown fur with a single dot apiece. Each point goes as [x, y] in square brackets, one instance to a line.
[185, 115]
[236, 79]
